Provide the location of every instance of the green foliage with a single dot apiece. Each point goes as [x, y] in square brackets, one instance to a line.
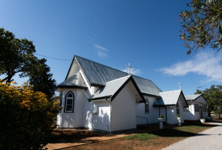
[213, 96]
[16, 56]
[141, 137]
[161, 116]
[41, 80]
[178, 115]
[201, 24]
[27, 118]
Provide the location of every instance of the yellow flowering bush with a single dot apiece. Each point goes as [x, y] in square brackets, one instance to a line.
[27, 117]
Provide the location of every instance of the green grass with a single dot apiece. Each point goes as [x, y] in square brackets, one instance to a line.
[141, 137]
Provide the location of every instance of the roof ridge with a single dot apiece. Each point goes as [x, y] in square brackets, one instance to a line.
[119, 78]
[170, 91]
[110, 67]
[193, 94]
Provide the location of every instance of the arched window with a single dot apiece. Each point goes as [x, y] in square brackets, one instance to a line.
[147, 106]
[60, 98]
[69, 104]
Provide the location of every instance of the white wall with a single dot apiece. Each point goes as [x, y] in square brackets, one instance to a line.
[74, 68]
[181, 106]
[201, 100]
[192, 115]
[123, 114]
[171, 114]
[75, 119]
[101, 120]
[197, 114]
[151, 116]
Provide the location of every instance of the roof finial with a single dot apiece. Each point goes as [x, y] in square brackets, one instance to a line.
[129, 68]
[180, 85]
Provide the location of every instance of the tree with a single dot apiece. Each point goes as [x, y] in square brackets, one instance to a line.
[202, 25]
[16, 56]
[27, 117]
[213, 96]
[41, 79]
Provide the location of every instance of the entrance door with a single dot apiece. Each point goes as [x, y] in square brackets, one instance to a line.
[201, 112]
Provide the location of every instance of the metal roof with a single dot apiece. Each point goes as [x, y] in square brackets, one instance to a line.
[100, 74]
[170, 98]
[71, 82]
[192, 97]
[110, 88]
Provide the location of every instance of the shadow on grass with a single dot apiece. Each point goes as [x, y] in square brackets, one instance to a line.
[186, 130]
[73, 136]
[80, 136]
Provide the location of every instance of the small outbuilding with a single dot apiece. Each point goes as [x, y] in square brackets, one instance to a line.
[197, 108]
[171, 104]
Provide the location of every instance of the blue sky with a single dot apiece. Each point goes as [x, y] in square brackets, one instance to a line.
[114, 33]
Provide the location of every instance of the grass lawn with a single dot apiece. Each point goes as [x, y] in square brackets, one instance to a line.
[153, 140]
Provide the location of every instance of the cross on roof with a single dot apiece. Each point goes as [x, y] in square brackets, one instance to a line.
[180, 85]
[130, 67]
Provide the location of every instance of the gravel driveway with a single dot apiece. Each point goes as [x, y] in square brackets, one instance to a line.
[210, 139]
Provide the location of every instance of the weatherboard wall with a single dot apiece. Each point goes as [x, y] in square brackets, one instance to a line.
[151, 116]
[123, 113]
[75, 118]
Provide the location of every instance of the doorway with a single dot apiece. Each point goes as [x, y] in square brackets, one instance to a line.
[201, 112]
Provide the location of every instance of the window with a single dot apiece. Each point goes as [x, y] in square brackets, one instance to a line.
[60, 98]
[196, 108]
[178, 109]
[69, 104]
[147, 106]
[204, 108]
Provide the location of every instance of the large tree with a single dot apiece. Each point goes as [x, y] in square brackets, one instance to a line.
[202, 25]
[42, 79]
[213, 96]
[16, 56]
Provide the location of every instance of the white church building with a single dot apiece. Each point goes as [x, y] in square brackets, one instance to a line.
[101, 98]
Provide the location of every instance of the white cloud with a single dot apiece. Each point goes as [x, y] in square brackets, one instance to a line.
[208, 64]
[101, 51]
[101, 54]
[133, 71]
[98, 47]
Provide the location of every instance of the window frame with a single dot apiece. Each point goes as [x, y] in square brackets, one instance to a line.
[68, 98]
[60, 98]
[147, 105]
[178, 108]
[196, 108]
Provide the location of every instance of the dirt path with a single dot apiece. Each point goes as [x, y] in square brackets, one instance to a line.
[208, 139]
[84, 139]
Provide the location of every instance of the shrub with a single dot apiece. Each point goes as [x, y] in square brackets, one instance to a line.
[27, 117]
[161, 116]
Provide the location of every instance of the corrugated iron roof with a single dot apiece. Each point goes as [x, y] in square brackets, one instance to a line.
[110, 88]
[100, 74]
[168, 98]
[71, 82]
[192, 97]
